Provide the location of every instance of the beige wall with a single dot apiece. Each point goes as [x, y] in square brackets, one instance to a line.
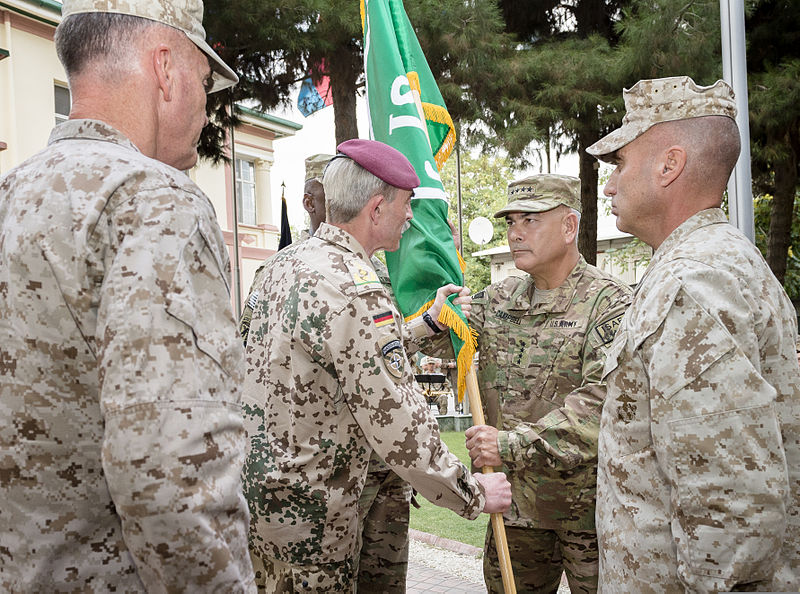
[27, 76]
[27, 116]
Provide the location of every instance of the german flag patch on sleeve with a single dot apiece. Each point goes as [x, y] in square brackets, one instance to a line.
[382, 319]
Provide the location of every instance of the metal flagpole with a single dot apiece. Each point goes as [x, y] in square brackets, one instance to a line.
[734, 71]
[458, 191]
[237, 275]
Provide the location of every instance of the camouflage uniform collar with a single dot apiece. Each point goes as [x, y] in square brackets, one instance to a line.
[560, 298]
[709, 216]
[89, 130]
[340, 237]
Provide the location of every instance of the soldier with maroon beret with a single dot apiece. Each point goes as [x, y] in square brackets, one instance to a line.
[328, 383]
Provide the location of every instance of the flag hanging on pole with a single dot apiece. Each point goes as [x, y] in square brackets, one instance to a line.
[406, 111]
[286, 232]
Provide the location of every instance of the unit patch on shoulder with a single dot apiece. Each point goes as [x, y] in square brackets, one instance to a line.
[608, 329]
[391, 350]
[364, 277]
[382, 319]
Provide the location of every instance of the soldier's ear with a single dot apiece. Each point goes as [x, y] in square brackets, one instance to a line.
[375, 207]
[672, 163]
[163, 63]
[569, 225]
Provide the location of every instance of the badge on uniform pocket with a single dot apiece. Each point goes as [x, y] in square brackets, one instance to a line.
[393, 356]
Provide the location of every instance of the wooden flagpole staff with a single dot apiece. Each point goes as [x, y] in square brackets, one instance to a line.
[498, 527]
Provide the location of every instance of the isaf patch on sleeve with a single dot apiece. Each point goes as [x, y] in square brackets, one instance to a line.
[393, 356]
[608, 329]
[364, 277]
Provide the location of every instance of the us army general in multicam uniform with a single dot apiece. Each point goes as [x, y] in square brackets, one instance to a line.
[328, 383]
[383, 508]
[121, 436]
[542, 342]
[699, 453]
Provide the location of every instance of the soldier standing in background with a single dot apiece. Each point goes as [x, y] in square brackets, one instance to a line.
[542, 344]
[699, 455]
[328, 383]
[121, 437]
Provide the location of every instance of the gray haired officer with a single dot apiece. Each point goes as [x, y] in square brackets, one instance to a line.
[328, 383]
[121, 434]
[543, 339]
[698, 484]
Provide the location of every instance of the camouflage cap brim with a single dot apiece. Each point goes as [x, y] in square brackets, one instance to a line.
[542, 205]
[651, 102]
[183, 15]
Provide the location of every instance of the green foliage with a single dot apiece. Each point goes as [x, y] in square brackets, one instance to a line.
[443, 522]
[484, 181]
[761, 211]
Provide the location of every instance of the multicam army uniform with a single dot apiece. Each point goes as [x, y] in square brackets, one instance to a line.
[327, 383]
[539, 370]
[699, 453]
[121, 438]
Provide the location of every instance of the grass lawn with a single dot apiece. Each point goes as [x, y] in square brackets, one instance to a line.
[443, 522]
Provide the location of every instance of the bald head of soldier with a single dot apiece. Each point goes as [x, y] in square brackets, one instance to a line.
[673, 155]
[314, 202]
[368, 189]
[144, 68]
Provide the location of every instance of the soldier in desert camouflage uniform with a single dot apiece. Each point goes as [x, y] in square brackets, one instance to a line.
[328, 383]
[121, 437]
[542, 344]
[699, 452]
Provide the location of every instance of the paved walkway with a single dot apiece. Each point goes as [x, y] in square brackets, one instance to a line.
[440, 565]
[423, 579]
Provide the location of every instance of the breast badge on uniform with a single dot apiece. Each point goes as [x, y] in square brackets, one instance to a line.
[393, 356]
[364, 277]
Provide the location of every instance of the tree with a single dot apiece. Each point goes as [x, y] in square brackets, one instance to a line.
[484, 183]
[773, 63]
[275, 44]
[560, 83]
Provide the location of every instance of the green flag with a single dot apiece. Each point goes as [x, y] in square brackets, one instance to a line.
[406, 111]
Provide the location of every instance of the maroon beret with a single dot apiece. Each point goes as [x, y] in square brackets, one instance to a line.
[382, 161]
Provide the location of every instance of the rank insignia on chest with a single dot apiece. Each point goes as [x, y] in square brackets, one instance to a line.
[382, 319]
[364, 277]
[391, 350]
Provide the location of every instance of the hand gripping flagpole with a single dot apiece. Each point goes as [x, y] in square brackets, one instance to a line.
[499, 529]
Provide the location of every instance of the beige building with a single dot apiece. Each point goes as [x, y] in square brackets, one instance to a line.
[34, 96]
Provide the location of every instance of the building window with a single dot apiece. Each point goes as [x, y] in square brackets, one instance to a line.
[63, 102]
[246, 191]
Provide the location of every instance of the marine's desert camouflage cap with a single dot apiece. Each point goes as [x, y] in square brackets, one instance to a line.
[315, 165]
[184, 15]
[539, 193]
[650, 102]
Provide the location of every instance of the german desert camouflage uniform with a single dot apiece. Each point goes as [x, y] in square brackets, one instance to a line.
[327, 383]
[539, 371]
[699, 453]
[383, 512]
[121, 438]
